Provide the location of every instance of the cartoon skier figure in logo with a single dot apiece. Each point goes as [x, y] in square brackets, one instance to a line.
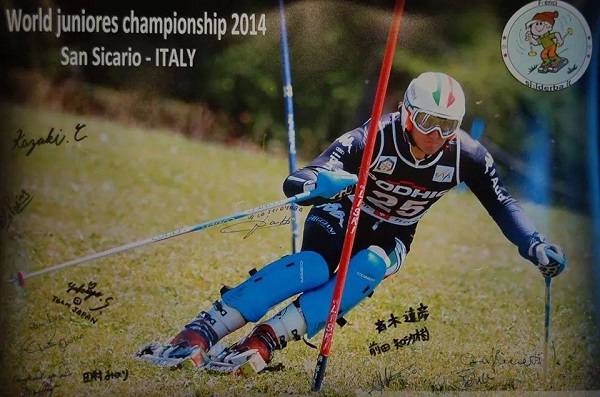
[539, 32]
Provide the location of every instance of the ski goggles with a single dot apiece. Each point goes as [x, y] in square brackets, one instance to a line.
[428, 123]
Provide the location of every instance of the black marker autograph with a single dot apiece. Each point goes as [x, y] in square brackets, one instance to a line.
[497, 357]
[46, 389]
[43, 341]
[9, 207]
[252, 226]
[89, 291]
[384, 380]
[52, 138]
[42, 376]
[50, 319]
[471, 377]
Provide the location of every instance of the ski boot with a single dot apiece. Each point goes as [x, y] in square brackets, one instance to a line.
[248, 356]
[188, 349]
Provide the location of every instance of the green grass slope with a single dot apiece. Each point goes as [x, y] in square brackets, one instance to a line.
[121, 184]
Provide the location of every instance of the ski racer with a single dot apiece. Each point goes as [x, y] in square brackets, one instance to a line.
[420, 154]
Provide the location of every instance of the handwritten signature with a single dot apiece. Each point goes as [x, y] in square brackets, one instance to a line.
[89, 291]
[46, 389]
[476, 373]
[50, 319]
[471, 377]
[252, 226]
[13, 206]
[40, 375]
[56, 138]
[49, 339]
[497, 357]
[47, 385]
[383, 381]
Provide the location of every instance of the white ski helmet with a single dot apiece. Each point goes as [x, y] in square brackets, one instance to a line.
[435, 94]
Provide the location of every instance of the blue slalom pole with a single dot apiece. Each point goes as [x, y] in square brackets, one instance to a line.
[539, 161]
[593, 160]
[476, 132]
[477, 128]
[288, 96]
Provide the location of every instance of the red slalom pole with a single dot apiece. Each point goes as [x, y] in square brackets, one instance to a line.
[384, 77]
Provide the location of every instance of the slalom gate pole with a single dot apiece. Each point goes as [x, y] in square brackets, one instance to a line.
[593, 147]
[358, 197]
[288, 96]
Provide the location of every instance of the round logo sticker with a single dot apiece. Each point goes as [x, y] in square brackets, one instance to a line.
[547, 45]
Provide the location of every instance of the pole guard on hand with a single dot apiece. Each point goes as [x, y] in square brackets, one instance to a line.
[330, 183]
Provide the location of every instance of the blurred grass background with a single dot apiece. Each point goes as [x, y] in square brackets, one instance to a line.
[124, 184]
[233, 96]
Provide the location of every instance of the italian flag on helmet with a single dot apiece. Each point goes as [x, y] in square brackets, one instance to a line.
[434, 93]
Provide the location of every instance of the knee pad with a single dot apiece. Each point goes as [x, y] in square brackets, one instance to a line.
[365, 271]
[396, 258]
[276, 282]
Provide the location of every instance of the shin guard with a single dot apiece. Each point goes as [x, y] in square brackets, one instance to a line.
[276, 282]
[366, 270]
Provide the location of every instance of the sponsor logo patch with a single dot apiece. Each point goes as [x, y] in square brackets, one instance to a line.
[321, 222]
[335, 210]
[386, 164]
[443, 173]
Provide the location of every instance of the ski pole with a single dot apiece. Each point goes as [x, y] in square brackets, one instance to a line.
[547, 302]
[547, 308]
[21, 276]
